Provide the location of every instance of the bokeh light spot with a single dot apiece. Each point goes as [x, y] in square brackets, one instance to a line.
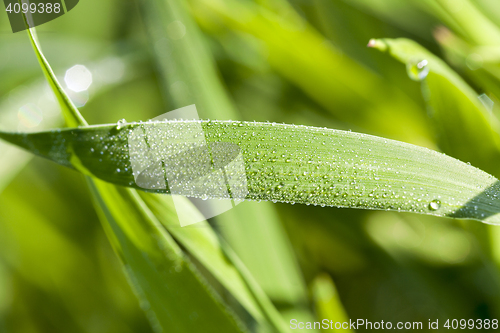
[78, 78]
[30, 115]
[176, 30]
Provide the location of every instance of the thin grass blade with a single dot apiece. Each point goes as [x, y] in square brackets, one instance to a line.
[70, 112]
[328, 303]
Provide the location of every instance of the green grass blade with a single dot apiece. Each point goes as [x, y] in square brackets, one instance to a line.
[328, 304]
[203, 243]
[480, 63]
[164, 280]
[190, 76]
[474, 25]
[466, 130]
[490, 9]
[278, 274]
[69, 110]
[407, 15]
[188, 72]
[298, 164]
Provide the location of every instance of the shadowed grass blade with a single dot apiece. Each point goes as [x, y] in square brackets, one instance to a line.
[162, 277]
[203, 243]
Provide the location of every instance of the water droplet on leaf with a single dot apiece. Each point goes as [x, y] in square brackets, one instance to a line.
[120, 123]
[417, 70]
[435, 205]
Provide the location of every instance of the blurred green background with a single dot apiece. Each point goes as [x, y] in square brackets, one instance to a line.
[297, 61]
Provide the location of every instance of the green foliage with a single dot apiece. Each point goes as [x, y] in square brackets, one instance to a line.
[260, 264]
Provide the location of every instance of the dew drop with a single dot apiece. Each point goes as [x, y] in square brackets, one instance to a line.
[417, 70]
[435, 204]
[120, 123]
